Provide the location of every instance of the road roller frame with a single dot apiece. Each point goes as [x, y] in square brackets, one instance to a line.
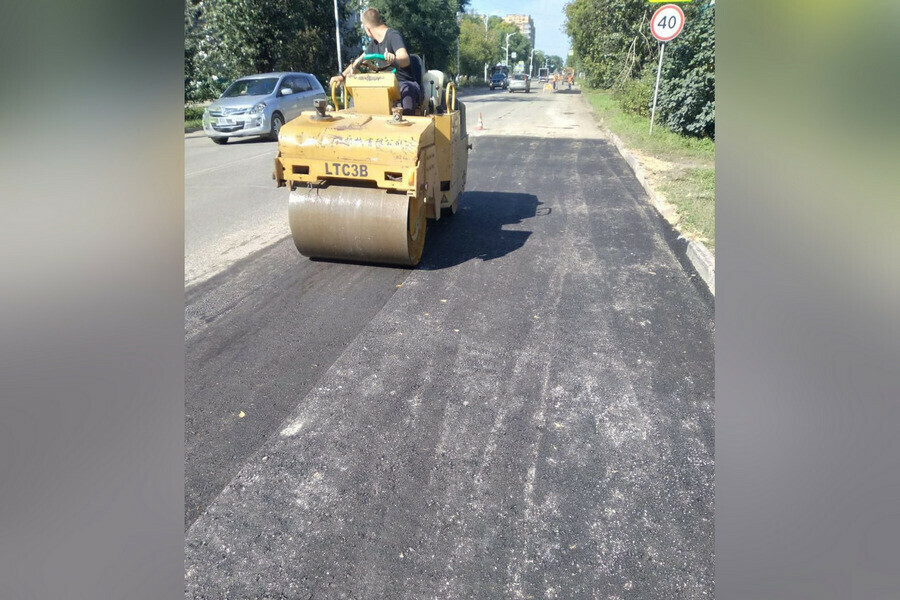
[355, 173]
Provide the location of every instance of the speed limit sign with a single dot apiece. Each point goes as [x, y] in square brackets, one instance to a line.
[667, 22]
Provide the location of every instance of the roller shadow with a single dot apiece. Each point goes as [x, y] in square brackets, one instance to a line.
[477, 229]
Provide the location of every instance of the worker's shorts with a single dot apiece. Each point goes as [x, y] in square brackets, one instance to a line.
[410, 96]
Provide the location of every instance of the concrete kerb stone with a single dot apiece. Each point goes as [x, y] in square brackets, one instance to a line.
[697, 252]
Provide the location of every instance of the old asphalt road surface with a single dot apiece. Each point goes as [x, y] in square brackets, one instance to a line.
[527, 414]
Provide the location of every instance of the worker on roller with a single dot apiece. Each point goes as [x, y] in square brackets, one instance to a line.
[388, 42]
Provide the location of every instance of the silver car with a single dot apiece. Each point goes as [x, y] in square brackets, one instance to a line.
[260, 105]
[519, 82]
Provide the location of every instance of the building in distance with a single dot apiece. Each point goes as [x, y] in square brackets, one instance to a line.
[524, 23]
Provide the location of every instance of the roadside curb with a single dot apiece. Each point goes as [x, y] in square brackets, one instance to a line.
[701, 258]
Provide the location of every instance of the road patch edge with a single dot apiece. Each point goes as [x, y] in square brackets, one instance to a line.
[699, 255]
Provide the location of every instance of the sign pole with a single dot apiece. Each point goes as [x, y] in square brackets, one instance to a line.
[665, 25]
[662, 48]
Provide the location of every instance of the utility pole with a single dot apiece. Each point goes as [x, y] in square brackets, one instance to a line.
[337, 36]
[485, 37]
[531, 64]
[507, 49]
[458, 35]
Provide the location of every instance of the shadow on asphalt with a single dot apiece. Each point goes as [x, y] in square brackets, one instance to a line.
[477, 229]
[236, 141]
[232, 141]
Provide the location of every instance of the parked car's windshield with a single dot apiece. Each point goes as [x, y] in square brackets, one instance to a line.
[251, 87]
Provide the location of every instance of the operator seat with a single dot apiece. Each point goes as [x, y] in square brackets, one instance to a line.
[433, 89]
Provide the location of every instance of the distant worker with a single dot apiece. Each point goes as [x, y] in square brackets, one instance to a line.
[388, 42]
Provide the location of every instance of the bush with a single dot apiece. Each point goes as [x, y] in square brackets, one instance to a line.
[635, 96]
[192, 113]
[687, 94]
[471, 81]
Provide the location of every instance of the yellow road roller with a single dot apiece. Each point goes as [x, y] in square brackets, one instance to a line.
[364, 179]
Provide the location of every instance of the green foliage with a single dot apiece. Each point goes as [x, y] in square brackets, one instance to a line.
[195, 86]
[484, 43]
[475, 49]
[556, 63]
[610, 37]
[687, 95]
[428, 27]
[193, 112]
[521, 45]
[635, 95]
[613, 45]
[539, 59]
[227, 39]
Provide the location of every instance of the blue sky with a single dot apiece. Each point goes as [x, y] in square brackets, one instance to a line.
[548, 20]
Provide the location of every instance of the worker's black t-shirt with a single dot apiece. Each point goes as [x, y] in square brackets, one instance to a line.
[391, 43]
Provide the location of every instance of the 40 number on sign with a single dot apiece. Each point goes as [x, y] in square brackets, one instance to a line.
[667, 22]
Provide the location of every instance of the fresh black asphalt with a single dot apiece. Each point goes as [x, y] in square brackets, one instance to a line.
[530, 414]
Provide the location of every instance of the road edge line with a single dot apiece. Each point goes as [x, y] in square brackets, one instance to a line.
[703, 261]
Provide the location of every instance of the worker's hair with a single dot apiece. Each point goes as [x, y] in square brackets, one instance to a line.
[371, 16]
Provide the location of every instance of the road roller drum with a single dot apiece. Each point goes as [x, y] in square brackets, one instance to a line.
[355, 223]
[364, 179]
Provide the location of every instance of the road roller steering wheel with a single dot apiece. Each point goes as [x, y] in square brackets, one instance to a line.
[373, 63]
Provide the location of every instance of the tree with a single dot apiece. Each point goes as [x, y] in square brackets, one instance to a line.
[227, 39]
[498, 29]
[475, 49]
[687, 95]
[611, 38]
[521, 45]
[191, 43]
[556, 63]
[612, 42]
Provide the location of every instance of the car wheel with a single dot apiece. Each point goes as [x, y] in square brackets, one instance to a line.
[220, 140]
[277, 123]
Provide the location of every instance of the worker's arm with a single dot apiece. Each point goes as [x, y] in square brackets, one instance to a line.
[401, 58]
[349, 70]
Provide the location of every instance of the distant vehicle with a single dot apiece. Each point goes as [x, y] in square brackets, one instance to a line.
[544, 74]
[519, 82]
[260, 105]
[499, 80]
[500, 69]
